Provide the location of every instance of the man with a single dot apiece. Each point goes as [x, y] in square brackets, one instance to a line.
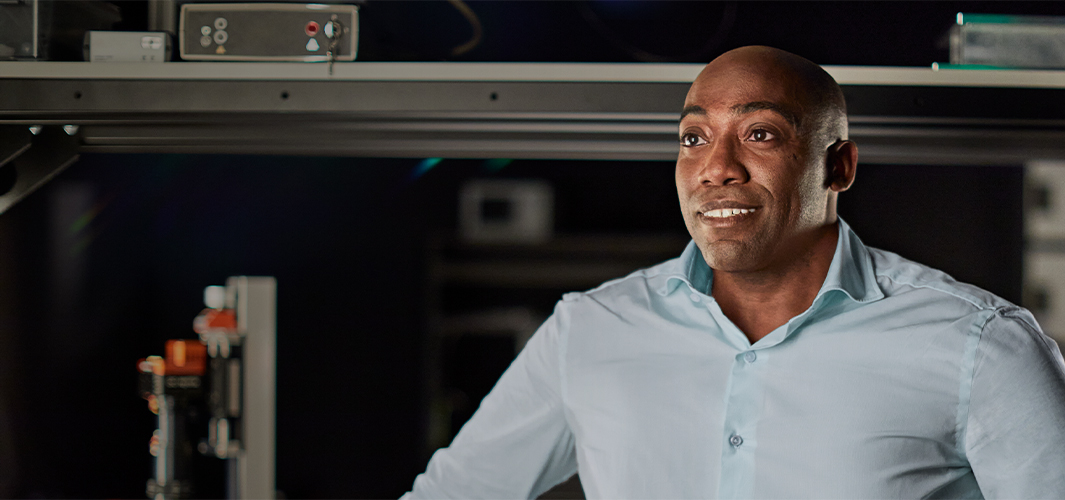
[777, 357]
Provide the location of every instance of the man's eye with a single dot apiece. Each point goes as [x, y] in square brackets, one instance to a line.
[760, 135]
[690, 140]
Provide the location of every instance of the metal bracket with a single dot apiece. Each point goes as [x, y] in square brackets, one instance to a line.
[14, 140]
[29, 160]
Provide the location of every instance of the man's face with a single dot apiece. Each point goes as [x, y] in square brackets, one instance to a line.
[751, 186]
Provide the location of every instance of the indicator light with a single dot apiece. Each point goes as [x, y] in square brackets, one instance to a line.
[311, 29]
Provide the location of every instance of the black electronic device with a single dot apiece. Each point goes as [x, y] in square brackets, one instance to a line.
[268, 32]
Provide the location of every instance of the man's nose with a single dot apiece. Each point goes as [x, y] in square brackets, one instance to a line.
[722, 166]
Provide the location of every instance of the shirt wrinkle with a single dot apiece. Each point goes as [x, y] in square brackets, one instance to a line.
[1022, 315]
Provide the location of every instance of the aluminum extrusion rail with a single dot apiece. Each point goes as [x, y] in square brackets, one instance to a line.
[514, 110]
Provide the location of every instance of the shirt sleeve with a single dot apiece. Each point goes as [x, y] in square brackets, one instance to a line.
[517, 444]
[1015, 433]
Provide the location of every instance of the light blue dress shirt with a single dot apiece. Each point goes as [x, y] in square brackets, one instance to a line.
[898, 382]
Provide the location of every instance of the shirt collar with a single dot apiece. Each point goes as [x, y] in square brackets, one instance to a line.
[850, 272]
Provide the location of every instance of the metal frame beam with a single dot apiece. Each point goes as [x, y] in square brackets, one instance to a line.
[484, 110]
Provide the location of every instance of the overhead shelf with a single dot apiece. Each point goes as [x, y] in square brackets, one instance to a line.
[512, 110]
[508, 72]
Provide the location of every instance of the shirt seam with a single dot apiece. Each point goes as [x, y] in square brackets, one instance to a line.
[634, 275]
[979, 305]
[563, 383]
[965, 385]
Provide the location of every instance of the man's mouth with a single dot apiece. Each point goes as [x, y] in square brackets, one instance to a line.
[724, 213]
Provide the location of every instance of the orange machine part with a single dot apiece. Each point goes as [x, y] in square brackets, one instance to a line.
[185, 357]
[215, 320]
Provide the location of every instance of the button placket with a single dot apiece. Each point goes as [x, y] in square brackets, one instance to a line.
[743, 411]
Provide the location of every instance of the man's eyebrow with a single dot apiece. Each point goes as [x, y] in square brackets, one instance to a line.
[751, 107]
[692, 110]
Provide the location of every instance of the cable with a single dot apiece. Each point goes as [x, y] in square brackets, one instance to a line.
[475, 24]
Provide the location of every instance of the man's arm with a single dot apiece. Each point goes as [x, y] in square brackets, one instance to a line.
[1015, 436]
[517, 444]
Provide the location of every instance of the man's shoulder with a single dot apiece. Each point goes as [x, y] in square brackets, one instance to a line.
[897, 275]
[641, 281]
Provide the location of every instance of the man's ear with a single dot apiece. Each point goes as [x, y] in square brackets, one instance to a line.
[841, 162]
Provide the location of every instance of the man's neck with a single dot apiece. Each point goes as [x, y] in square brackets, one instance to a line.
[759, 302]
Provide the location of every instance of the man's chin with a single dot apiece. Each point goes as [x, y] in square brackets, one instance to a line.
[730, 257]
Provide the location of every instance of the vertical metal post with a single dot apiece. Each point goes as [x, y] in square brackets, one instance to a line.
[164, 461]
[256, 321]
[36, 28]
[162, 16]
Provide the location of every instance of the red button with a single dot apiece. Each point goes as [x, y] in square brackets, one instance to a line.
[312, 28]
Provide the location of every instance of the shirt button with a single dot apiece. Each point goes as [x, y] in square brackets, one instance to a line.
[750, 356]
[735, 440]
[695, 297]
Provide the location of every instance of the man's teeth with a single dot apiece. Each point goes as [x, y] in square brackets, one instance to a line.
[727, 212]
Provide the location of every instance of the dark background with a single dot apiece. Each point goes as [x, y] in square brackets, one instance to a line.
[346, 239]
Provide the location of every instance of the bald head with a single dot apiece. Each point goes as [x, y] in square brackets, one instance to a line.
[810, 95]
